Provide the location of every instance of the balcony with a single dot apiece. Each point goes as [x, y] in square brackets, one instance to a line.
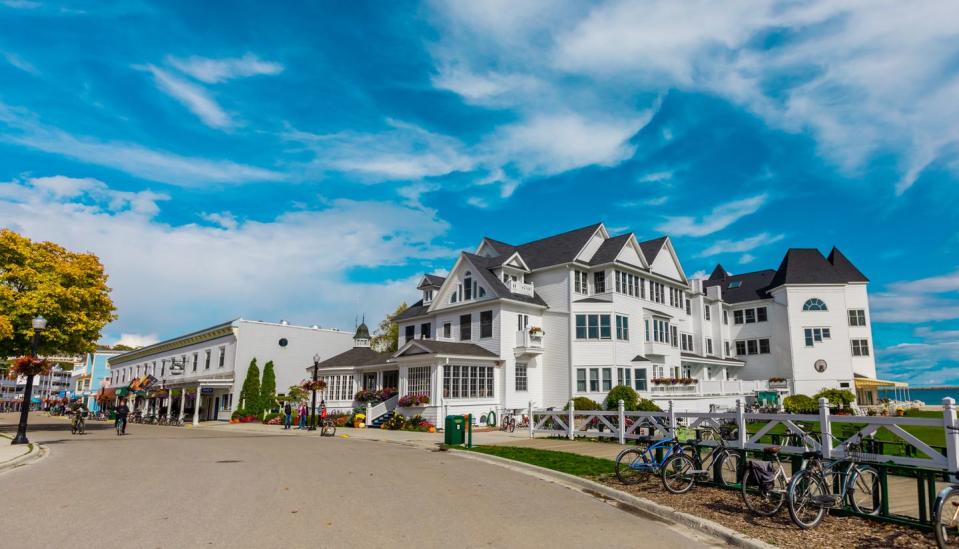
[528, 343]
[710, 388]
[522, 288]
[657, 348]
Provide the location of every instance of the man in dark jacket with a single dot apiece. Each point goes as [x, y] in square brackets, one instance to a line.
[287, 416]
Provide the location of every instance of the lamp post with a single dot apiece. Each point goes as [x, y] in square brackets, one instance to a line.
[316, 370]
[39, 323]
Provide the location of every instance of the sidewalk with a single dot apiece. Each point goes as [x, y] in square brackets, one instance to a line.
[13, 456]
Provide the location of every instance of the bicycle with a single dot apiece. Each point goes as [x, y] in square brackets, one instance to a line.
[945, 514]
[328, 428]
[78, 424]
[120, 424]
[681, 471]
[811, 491]
[509, 422]
[648, 457]
[766, 496]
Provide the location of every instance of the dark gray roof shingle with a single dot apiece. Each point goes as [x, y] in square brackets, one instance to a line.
[357, 356]
[494, 284]
[609, 249]
[413, 311]
[549, 251]
[454, 348]
[844, 267]
[805, 266]
[752, 286]
[651, 248]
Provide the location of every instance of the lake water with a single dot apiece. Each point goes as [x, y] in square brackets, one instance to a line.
[932, 397]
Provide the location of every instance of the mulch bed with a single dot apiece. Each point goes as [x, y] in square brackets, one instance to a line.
[726, 508]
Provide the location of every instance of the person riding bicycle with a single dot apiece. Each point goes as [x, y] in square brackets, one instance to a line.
[122, 411]
[79, 411]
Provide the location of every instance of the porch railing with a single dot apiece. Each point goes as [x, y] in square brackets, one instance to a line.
[381, 409]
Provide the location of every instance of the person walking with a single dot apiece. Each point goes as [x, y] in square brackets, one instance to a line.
[287, 416]
[302, 411]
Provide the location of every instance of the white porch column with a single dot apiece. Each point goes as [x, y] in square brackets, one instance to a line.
[169, 404]
[196, 407]
[182, 402]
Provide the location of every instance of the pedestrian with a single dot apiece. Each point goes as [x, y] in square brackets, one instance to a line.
[302, 411]
[288, 416]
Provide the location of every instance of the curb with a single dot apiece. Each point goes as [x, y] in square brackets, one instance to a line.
[605, 493]
[35, 453]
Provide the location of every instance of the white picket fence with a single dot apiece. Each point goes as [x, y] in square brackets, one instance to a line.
[622, 426]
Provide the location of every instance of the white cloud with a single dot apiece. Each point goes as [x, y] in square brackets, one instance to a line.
[477, 202]
[193, 97]
[20, 63]
[149, 164]
[295, 263]
[136, 340]
[746, 258]
[742, 245]
[656, 177]
[491, 89]
[21, 4]
[213, 71]
[924, 300]
[925, 363]
[718, 219]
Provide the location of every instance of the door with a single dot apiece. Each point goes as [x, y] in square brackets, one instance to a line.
[215, 410]
[369, 381]
[391, 379]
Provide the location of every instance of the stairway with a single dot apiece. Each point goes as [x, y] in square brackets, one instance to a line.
[375, 424]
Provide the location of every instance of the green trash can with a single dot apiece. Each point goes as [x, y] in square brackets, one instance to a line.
[455, 432]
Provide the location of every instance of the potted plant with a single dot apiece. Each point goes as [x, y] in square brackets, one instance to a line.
[535, 330]
[310, 385]
[414, 400]
[29, 366]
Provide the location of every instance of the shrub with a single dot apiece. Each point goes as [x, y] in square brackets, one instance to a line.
[621, 392]
[800, 404]
[395, 423]
[239, 413]
[275, 415]
[583, 403]
[838, 398]
[646, 405]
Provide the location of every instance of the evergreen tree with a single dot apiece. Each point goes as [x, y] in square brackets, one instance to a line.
[268, 388]
[250, 393]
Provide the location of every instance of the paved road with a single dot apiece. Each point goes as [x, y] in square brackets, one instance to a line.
[166, 487]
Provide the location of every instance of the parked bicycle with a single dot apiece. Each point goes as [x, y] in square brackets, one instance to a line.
[945, 514]
[508, 423]
[328, 429]
[681, 471]
[765, 482]
[824, 485]
[646, 458]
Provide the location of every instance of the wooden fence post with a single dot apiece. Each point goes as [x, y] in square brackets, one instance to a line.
[532, 422]
[622, 422]
[952, 437]
[569, 426]
[742, 435]
[825, 428]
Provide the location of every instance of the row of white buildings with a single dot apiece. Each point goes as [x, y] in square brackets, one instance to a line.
[568, 315]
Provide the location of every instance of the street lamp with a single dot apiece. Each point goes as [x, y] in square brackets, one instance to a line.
[316, 370]
[39, 323]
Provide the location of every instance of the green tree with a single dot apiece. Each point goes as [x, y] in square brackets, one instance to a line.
[800, 404]
[268, 388]
[386, 339]
[69, 289]
[250, 393]
[626, 394]
[838, 398]
[296, 393]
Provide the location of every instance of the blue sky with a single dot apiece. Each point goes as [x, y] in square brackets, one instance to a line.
[307, 161]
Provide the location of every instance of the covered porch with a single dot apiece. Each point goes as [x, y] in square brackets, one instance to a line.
[867, 390]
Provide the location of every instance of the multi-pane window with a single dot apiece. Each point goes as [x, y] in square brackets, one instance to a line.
[594, 380]
[709, 346]
[466, 327]
[468, 381]
[486, 324]
[522, 322]
[607, 379]
[752, 346]
[410, 333]
[418, 381]
[725, 317]
[674, 335]
[196, 358]
[706, 312]
[625, 376]
[206, 364]
[738, 316]
[522, 382]
[857, 317]
[740, 347]
[689, 307]
[467, 287]
[581, 380]
[657, 292]
[764, 346]
[599, 282]
[338, 387]
[640, 379]
[814, 304]
[860, 347]
[660, 330]
[447, 330]
[593, 327]
[749, 316]
[622, 328]
[726, 347]
[815, 335]
[579, 282]
[630, 284]
[761, 314]
[222, 357]
[676, 298]
[426, 331]
[686, 342]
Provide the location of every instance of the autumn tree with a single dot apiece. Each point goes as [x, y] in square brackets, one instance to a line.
[67, 288]
[386, 339]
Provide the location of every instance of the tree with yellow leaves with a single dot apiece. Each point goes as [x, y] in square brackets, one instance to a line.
[68, 288]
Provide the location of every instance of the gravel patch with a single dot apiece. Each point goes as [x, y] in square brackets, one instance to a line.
[726, 508]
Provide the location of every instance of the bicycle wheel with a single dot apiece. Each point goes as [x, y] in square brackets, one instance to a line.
[328, 430]
[765, 503]
[633, 465]
[863, 490]
[678, 476]
[946, 517]
[728, 467]
[805, 497]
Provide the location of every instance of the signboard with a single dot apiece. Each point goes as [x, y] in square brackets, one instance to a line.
[206, 390]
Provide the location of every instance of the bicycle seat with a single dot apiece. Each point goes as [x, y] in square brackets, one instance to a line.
[772, 450]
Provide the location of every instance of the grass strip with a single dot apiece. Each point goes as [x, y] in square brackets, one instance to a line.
[564, 462]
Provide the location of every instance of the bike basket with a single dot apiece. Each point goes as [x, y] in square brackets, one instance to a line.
[854, 451]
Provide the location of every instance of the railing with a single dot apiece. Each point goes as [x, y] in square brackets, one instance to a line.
[756, 431]
[381, 409]
[529, 340]
[711, 387]
[517, 287]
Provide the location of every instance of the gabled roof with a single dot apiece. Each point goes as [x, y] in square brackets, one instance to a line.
[357, 356]
[431, 280]
[806, 266]
[485, 266]
[719, 273]
[414, 310]
[609, 250]
[432, 346]
[844, 267]
[750, 287]
[651, 248]
[549, 251]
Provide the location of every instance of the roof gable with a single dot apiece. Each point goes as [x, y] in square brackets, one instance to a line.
[805, 266]
[667, 264]
[557, 249]
[592, 245]
[651, 248]
[844, 267]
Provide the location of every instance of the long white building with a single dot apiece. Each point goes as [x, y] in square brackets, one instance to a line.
[577, 313]
[203, 372]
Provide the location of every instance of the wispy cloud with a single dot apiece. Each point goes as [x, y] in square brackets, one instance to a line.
[150, 164]
[656, 177]
[718, 219]
[136, 340]
[193, 97]
[741, 245]
[20, 63]
[924, 300]
[214, 71]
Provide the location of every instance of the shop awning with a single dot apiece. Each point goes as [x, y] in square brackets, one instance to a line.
[870, 383]
[106, 395]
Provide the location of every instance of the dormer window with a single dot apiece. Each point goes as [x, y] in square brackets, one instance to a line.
[735, 284]
[427, 296]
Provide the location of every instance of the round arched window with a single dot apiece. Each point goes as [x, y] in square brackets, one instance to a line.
[283, 342]
[814, 304]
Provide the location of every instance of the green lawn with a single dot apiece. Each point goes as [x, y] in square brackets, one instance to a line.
[931, 435]
[573, 464]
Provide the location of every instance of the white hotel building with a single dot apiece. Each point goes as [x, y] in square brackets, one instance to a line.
[209, 366]
[580, 312]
